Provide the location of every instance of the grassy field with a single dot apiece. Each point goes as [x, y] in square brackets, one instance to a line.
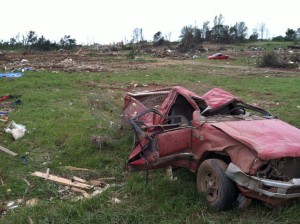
[61, 112]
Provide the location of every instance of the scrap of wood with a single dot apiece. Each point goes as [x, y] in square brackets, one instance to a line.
[101, 181]
[31, 202]
[97, 182]
[30, 220]
[62, 180]
[47, 174]
[3, 149]
[76, 168]
[78, 179]
[85, 194]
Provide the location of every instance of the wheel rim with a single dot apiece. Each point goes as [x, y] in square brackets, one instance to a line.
[210, 187]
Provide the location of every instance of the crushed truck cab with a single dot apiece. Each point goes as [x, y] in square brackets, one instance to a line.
[234, 148]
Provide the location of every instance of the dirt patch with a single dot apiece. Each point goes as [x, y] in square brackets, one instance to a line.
[108, 62]
[132, 87]
[72, 62]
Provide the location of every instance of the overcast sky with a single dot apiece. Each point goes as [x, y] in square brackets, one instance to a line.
[107, 21]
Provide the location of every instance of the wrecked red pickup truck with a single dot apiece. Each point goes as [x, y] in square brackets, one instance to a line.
[239, 151]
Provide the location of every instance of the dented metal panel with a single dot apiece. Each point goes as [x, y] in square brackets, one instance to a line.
[271, 138]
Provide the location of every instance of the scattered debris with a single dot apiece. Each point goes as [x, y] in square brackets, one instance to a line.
[84, 193]
[62, 180]
[4, 118]
[72, 168]
[74, 178]
[17, 130]
[3, 98]
[30, 220]
[169, 173]
[100, 190]
[115, 200]
[12, 205]
[11, 75]
[3, 149]
[28, 186]
[23, 61]
[99, 141]
[31, 202]
[101, 181]
[24, 160]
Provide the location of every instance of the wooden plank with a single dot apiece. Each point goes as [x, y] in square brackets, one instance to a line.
[3, 149]
[62, 180]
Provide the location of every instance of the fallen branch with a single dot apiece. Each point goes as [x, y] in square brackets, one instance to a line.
[62, 180]
[3, 149]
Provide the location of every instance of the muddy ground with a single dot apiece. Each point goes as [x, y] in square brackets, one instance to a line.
[94, 61]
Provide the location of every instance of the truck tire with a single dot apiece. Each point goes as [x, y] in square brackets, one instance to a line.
[219, 191]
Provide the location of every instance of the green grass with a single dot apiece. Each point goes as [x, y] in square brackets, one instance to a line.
[61, 111]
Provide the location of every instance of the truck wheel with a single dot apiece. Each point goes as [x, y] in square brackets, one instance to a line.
[219, 191]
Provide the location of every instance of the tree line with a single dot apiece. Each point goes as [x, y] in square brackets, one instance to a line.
[219, 32]
[31, 41]
[190, 37]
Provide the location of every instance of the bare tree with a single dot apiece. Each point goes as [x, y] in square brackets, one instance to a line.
[205, 31]
[29, 39]
[141, 34]
[137, 35]
[262, 29]
[168, 36]
[217, 28]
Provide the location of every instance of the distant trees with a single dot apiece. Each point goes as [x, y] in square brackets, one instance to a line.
[290, 35]
[254, 35]
[66, 42]
[188, 39]
[31, 41]
[158, 39]
[43, 44]
[219, 33]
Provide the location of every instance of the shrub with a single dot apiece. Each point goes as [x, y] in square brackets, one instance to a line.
[270, 60]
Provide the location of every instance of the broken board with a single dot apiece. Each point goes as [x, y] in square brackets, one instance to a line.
[62, 180]
[3, 149]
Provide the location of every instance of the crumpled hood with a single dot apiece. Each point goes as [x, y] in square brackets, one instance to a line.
[270, 138]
